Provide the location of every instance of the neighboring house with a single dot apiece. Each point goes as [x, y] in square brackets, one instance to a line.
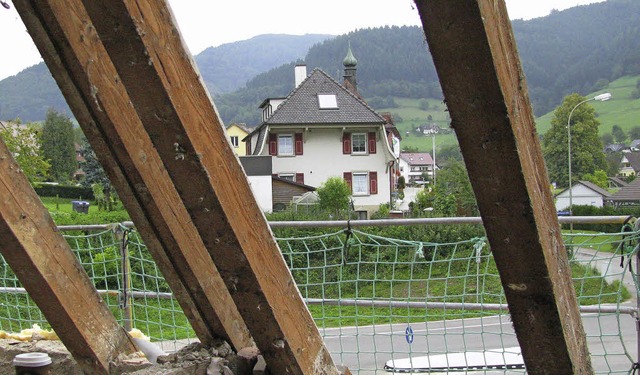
[627, 195]
[629, 164]
[615, 147]
[584, 193]
[429, 129]
[635, 145]
[323, 129]
[79, 173]
[236, 134]
[615, 182]
[414, 166]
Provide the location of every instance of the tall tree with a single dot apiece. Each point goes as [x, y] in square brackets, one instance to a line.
[587, 155]
[618, 134]
[23, 142]
[58, 146]
[634, 133]
[95, 177]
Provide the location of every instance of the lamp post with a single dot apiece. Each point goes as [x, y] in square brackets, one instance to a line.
[602, 97]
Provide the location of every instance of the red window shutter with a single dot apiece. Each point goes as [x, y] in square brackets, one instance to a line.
[371, 138]
[300, 178]
[247, 145]
[298, 144]
[273, 144]
[346, 143]
[347, 179]
[373, 182]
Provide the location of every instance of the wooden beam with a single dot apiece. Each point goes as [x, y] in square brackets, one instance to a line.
[49, 271]
[137, 80]
[63, 33]
[475, 55]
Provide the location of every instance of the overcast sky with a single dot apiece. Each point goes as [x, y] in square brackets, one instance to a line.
[211, 23]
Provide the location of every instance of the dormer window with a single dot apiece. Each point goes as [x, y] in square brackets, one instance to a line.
[327, 101]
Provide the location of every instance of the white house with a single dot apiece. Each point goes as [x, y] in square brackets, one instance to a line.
[323, 129]
[414, 166]
[584, 193]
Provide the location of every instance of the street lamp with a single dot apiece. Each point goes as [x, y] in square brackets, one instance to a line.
[601, 98]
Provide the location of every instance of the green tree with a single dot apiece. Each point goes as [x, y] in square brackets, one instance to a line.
[23, 141]
[607, 139]
[618, 134]
[587, 154]
[334, 196]
[599, 178]
[58, 146]
[452, 179]
[96, 178]
[634, 132]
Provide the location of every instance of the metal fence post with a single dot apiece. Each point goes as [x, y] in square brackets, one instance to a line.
[122, 235]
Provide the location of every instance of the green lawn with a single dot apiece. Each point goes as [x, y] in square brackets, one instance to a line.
[620, 110]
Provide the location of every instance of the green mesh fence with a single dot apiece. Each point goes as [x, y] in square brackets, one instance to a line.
[382, 305]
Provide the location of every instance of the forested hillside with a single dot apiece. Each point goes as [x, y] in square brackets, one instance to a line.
[225, 68]
[228, 67]
[579, 50]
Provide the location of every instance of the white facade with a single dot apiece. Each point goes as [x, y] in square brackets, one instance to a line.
[261, 187]
[581, 196]
[322, 157]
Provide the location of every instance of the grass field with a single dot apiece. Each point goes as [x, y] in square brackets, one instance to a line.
[621, 110]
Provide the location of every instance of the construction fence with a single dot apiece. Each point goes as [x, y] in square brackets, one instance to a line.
[383, 305]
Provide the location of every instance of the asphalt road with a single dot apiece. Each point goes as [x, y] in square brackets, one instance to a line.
[366, 350]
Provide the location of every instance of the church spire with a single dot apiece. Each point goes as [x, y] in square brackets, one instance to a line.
[350, 63]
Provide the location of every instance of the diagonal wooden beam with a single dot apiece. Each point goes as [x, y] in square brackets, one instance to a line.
[475, 55]
[63, 33]
[49, 271]
[132, 74]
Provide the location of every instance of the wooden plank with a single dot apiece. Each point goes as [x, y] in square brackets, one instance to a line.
[49, 271]
[182, 149]
[73, 52]
[475, 54]
[144, 44]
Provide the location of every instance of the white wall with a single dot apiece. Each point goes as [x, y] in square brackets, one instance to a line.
[323, 158]
[581, 196]
[261, 186]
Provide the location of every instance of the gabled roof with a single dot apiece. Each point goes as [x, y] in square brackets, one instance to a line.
[301, 106]
[634, 160]
[617, 182]
[629, 193]
[417, 158]
[589, 185]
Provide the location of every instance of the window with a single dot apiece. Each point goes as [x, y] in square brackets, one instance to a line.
[358, 143]
[288, 176]
[360, 184]
[234, 140]
[327, 101]
[285, 144]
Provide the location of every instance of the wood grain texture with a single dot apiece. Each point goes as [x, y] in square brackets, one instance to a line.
[154, 125]
[49, 271]
[75, 56]
[485, 91]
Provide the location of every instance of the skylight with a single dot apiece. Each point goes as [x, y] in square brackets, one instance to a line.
[327, 101]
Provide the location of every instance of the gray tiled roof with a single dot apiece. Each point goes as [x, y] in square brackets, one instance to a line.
[595, 188]
[628, 193]
[634, 160]
[301, 106]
